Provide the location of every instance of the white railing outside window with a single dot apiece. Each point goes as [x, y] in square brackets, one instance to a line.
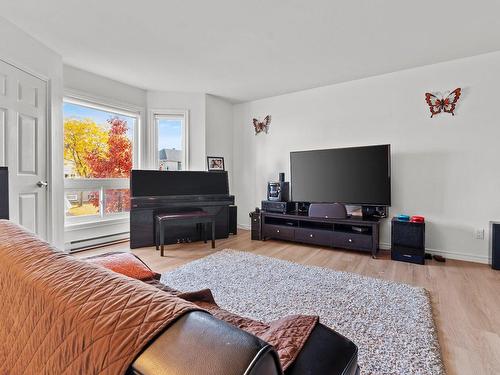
[96, 199]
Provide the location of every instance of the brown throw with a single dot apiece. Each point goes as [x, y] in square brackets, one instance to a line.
[60, 315]
[288, 335]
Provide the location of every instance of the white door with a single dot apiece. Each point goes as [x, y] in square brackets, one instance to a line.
[23, 145]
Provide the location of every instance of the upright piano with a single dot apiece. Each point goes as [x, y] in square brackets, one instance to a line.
[154, 192]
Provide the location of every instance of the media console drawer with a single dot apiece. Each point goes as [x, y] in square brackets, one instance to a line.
[279, 232]
[352, 241]
[327, 232]
[313, 236]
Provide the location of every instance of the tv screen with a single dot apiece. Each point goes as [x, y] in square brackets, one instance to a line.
[147, 183]
[355, 175]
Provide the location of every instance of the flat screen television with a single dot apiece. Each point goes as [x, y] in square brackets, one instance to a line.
[354, 175]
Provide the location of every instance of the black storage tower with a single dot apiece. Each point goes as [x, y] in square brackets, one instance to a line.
[4, 193]
[408, 241]
[495, 246]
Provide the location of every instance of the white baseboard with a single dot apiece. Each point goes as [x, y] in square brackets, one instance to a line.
[448, 254]
[244, 226]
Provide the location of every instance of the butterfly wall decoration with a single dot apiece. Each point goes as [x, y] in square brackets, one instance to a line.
[262, 126]
[439, 103]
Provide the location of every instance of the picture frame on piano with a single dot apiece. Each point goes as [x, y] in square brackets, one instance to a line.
[215, 163]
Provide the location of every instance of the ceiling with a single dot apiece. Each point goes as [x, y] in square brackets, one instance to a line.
[245, 50]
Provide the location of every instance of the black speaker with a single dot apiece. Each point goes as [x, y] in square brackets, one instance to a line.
[328, 210]
[495, 246]
[4, 193]
[233, 219]
[255, 220]
[408, 241]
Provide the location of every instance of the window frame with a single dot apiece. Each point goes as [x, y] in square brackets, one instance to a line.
[154, 137]
[102, 184]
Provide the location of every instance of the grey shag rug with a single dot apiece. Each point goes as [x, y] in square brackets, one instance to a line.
[391, 323]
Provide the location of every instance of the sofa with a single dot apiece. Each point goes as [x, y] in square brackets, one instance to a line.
[60, 287]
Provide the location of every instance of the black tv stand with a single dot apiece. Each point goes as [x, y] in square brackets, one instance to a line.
[353, 233]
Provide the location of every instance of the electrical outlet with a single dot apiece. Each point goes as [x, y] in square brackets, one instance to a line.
[479, 234]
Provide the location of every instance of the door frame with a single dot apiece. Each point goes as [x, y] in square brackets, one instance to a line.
[51, 230]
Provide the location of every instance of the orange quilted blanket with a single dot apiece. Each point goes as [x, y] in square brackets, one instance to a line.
[60, 315]
[287, 335]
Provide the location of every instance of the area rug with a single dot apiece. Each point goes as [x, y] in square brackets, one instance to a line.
[391, 323]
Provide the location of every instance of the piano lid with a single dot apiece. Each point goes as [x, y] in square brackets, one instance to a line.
[147, 183]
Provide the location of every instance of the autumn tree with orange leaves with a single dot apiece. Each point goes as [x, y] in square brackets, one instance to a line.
[115, 162]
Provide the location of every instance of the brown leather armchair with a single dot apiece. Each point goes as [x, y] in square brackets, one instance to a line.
[198, 343]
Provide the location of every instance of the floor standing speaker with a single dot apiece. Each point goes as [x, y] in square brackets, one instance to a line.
[4, 193]
[495, 245]
[233, 219]
[255, 218]
[408, 241]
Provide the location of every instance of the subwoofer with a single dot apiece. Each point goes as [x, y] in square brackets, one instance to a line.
[495, 245]
[255, 221]
[4, 193]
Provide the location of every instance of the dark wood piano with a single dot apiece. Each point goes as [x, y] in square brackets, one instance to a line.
[154, 192]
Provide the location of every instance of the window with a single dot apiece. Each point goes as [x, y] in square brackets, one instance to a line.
[99, 152]
[171, 140]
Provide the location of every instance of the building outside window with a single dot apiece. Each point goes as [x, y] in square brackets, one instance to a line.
[171, 140]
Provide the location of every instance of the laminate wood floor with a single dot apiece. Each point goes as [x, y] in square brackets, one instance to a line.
[465, 296]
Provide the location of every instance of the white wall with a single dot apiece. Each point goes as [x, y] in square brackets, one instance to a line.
[25, 52]
[195, 103]
[103, 87]
[219, 131]
[445, 168]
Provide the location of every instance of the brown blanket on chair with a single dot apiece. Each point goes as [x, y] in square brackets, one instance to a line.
[60, 315]
[288, 335]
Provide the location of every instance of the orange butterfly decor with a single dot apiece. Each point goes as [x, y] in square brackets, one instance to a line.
[262, 126]
[441, 103]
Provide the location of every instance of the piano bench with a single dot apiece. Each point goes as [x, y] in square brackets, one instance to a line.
[199, 217]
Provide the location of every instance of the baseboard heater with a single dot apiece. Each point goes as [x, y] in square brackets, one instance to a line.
[87, 243]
